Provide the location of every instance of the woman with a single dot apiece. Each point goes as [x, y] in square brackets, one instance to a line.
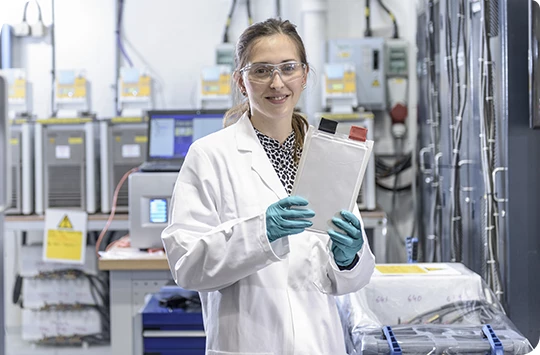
[266, 284]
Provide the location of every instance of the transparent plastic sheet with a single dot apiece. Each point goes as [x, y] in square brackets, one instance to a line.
[330, 174]
[438, 311]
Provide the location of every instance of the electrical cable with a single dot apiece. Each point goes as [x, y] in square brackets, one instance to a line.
[457, 218]
[384, 170]
[113, 208]
[488, 130]
[119, 33]
[394, 189]
[367, 12]
[40, 17]
[392, 17]
[489, 269]
[453, 82]
[17, 290]
[399, 148]
[99, 291]
[24, 11]
[484, 236]
[457, 111]
[447, 309]
[432, 244]
[248, 9]
[53, 59]
[228, 23]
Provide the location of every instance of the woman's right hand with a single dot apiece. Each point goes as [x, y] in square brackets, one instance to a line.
[282, 221]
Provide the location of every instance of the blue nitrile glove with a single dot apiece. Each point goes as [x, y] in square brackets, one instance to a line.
[282, 220]
[345, 246]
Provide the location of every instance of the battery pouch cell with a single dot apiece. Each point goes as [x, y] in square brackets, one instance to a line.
[330, 173]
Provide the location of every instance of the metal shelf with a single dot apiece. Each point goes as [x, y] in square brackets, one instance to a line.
[96, 222]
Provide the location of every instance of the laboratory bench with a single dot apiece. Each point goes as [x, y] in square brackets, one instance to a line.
[131, 279]
[134, 276]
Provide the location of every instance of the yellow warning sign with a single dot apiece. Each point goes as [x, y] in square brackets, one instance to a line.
[64, 245]
[65, 223]
[375, 83]
[64, 239]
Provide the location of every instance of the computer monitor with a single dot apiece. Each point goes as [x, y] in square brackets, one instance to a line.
[172, 132]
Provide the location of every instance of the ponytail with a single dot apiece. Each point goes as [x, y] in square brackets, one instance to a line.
[233, 115]
[299, 125]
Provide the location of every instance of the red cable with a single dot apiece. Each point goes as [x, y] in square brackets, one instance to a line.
[113, 208]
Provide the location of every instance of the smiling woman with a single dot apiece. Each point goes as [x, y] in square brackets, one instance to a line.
[273, 43]
[272, 95]
[235, 234]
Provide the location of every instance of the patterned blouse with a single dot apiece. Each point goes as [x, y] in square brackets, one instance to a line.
[281, 156]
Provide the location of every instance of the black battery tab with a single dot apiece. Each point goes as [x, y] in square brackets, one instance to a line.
[328, 126]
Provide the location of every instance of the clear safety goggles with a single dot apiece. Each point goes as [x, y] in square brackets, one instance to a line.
[264, 73]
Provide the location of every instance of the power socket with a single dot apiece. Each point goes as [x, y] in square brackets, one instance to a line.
[21, 29]
[38, 29]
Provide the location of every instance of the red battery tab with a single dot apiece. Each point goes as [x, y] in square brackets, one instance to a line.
[358, 133]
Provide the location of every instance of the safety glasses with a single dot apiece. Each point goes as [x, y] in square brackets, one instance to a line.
[264, 73]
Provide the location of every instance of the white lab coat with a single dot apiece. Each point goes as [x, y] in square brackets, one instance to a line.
[258, 297]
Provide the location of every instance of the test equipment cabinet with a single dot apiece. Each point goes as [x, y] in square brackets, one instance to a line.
[123, 146]
[21, 143]
[66, 164]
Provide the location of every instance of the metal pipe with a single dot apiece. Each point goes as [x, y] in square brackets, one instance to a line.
[117, 58]
[4, 193]
[314, 36]
[6, 49]
[53, 64]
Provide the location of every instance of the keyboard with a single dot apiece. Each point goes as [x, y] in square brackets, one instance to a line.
[160, 167]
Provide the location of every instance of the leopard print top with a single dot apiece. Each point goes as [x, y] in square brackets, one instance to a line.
[281, 156]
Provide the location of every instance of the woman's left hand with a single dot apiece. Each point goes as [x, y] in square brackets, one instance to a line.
[345, 246]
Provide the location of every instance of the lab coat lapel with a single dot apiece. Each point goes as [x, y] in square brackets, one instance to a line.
[247, 140]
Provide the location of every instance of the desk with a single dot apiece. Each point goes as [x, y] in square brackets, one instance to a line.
[130, 281]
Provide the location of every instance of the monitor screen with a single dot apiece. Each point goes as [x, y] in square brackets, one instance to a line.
[158, 210]
[171, 133]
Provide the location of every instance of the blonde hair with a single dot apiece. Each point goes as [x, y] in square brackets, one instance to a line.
[244, 45]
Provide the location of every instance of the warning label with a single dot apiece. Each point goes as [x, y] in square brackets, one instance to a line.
[65, 223]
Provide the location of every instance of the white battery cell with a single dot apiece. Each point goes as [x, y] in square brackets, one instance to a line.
[330, 174]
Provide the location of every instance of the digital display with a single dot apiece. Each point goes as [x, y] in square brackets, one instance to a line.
[158, 210]
[172, 134]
